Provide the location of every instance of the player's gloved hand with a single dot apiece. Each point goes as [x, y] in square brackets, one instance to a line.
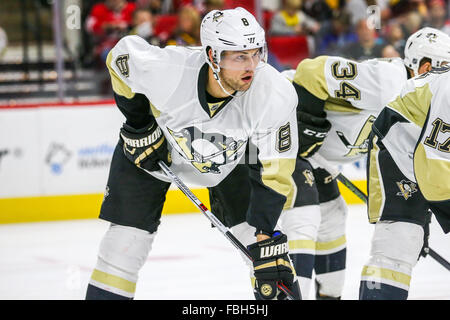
[271, 265]
[312, 130]
[146, 146]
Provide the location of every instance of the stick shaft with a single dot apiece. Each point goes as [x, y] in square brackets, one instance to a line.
[439, 258]
[216, 222]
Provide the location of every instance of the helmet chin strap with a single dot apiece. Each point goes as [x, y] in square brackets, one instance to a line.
[217, 77]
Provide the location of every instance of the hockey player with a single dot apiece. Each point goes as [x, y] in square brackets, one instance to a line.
[408, 174]
[339, 100]
[198, 110]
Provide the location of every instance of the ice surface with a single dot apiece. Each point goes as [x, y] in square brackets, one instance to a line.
[190, 261]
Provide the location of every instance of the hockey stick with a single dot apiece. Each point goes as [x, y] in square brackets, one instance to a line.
[438, 258]
[212, 218]
[336, 174]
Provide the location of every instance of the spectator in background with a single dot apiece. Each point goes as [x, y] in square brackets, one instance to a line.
[155, 6]
[437, 16]
[367, 46]
[291, 21]
[357, 10]
[210, 5]
[411, 22]
[389, 52]
[319, 10]
[402, 7]
[107, 23]
[271, 5]
[337, 35]
[143, 26]
[187, 32]
[394, 36]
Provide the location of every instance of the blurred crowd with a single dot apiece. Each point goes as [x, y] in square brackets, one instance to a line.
[356, 29]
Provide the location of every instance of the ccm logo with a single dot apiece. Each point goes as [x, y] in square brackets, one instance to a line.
[314, 133]
[274, 250]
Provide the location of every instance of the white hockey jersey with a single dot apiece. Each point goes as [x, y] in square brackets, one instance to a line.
[354, 94]
[207, 142]
[415, 129]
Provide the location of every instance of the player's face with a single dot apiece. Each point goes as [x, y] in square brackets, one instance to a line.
[237, 68]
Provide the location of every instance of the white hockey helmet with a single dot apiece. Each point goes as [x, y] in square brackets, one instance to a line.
[427, 43]
[231, 30]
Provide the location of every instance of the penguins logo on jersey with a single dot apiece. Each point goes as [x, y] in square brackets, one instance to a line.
[407, 188]
[362, 141]
[207, 151]
[309, 177]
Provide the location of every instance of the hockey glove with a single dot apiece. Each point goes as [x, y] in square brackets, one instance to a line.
[271, 266]
[146, 146]
[312, 130]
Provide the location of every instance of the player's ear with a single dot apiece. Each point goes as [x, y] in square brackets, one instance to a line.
[425, 67]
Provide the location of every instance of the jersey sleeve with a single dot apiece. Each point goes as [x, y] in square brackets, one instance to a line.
[367, 85]
[134, 106]
[399, 124]
[273, 152]
[136, 66]
[136, 71]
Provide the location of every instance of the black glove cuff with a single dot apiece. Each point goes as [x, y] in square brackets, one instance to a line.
[145, 129]
[259, 231]
[276, 246]
[318, 122]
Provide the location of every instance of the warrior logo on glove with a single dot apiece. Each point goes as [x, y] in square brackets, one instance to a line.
[145, 147]
[278, 249]
[272, 267]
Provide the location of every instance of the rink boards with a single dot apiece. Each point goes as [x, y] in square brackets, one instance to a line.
[54, 162]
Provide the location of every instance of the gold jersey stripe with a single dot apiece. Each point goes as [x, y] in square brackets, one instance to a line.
[339, 105]
[155, 112]
[431, 175]
[329, 245]
[113, 281]
[310, 74]
[388, 274]
[376, 196]
[277, 175]
[414, 105]
[118, 85]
